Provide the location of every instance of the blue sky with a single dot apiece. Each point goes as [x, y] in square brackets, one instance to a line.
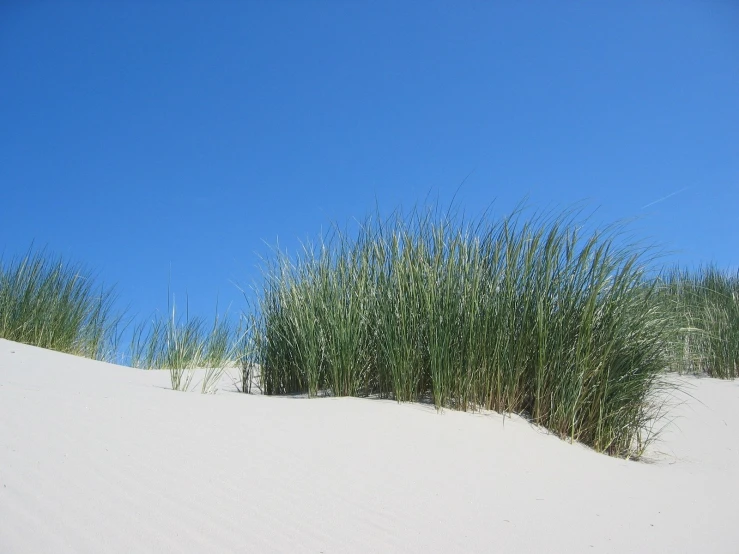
[149, 139]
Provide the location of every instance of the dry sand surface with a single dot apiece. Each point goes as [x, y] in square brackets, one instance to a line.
[99, 458]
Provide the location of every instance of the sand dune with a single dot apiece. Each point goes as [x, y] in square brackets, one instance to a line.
[101, 458]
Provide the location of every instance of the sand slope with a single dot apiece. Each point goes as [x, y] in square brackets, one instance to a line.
[100, 458]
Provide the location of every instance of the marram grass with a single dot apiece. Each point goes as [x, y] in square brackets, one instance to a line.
[530, 315]
[705, 303]
[184, 345]
[48, 302]
[519, 315]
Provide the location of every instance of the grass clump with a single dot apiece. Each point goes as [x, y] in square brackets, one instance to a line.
[514, 315]
[184, 345]
[706, 305]
[48, 302]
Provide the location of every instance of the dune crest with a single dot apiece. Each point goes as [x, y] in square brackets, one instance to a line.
[101, 458]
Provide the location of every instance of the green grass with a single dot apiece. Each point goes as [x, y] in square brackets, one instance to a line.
[48, 302]
[529, 314]
[706, 305]
[519, 315]
[184, 345]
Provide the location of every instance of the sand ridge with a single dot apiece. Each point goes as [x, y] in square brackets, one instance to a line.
[102, 458]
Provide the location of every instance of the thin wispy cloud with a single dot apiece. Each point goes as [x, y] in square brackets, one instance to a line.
[664, 198]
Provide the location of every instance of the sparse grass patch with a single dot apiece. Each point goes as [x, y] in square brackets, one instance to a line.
[48, 302]
[184, 345]
[523, 315]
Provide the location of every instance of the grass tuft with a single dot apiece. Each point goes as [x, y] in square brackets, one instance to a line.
[705, 304]
[524, 315]
[48, 302]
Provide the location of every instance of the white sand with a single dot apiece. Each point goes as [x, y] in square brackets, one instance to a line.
[99, 458]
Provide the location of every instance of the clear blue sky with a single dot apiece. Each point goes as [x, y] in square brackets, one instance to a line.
[142, 136]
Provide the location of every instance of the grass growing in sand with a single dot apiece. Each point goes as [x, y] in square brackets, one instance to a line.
[527, 314]
[184, 345]
[48, 302]
[519, 315]
[706, 305]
